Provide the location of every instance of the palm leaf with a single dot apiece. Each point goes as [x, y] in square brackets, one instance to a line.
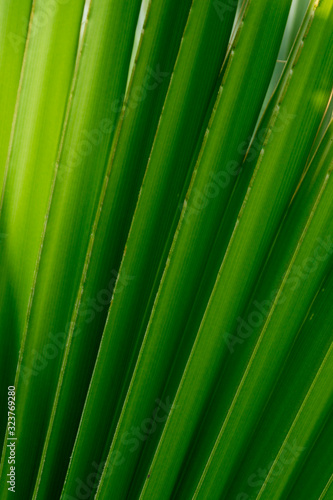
[222, 311]
[14, 24]
[166, 249]
[71, 182]
[203, 28]
[42, 97]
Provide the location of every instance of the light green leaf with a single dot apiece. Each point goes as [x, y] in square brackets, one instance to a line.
[149, 82]
[100, 79]
[14, 23]
[40, 111]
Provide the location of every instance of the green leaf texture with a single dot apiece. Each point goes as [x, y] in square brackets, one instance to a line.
[166, 244]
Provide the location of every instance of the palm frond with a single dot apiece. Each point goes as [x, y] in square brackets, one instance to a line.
[166, 243]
